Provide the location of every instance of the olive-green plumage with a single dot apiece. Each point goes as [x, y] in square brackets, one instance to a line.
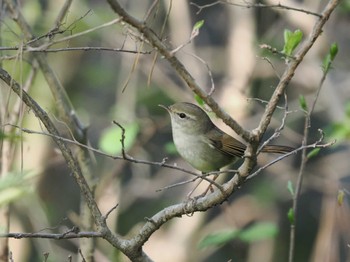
[202, 144]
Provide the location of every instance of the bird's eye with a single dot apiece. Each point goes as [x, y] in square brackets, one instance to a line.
[182, 115]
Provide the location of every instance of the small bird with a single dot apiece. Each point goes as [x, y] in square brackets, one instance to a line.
[202, 144]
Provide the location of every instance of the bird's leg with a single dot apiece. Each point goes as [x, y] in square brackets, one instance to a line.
[191, 192]
[210, 187]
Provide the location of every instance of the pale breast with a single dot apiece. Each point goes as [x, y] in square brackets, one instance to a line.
[197, 152]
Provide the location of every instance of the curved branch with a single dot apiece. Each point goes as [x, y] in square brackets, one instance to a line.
[158, 45]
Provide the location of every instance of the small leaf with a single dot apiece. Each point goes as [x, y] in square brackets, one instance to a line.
[333, 51]
[199, 100]
[170, 148]
[15, 185]
[290, 187]
[291, 41]
[198, 25]
[218, 238]
[327, 61]
[286, 35]
[314, 152]
[110, 138]
[258, 232]
[340, 131]
[340, 197]
[290, 215]
[302, 102]
[11, 137]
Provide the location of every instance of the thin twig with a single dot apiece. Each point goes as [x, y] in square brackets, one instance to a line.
[304, 159]
[125, 157]
[110, 211]
[78, 48]
[67, 38]
[212, 84]
[62, 14]
[317, 144]
[258, 5]
[149, 78]
[280, 128]
[53, 236]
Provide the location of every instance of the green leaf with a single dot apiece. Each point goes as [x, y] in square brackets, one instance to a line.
[218, 238]
[12, 137]
[14, 186]
[327, 61]
[290, 215]
[314, 152]
[110, 141]
[340, 197]
[333, 51]
[199, 100]
[258, 231]
[302, 102]
[291, 41]
[290, 187]
[340, 131]
[198, 25]
[170, 148]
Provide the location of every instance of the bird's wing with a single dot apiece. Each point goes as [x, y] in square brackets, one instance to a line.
[225, 143]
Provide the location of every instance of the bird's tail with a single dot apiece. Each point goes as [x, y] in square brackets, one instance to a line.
[277, 149]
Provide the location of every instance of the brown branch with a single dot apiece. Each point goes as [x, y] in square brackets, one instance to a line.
[78, 48]
[157, 43]
[302, 148]
[253, 138]
[304, 159]
[133, 252]
[66, 152]
[69, 235]
[258, 5]
[128, 158]
[289, 72]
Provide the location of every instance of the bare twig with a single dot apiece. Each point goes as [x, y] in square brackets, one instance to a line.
[82, 255]
[66, 152]
[78, 48]
[53, 236]
[160, 36]
[279, 129]
[157, 43]
[274, 50]
[258, 5]
[110, 211]
[212, 84]
[194, 34]
[126, 156]
[317, 144]
[304, 159]
[67, 38]
[62, 14]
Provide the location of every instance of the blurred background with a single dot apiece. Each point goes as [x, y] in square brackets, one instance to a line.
[128, 86]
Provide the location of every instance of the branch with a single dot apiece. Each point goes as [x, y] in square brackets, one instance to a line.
[158, 45]
[78, 48]
[289, 72]
[126, 157]
[68, 235]
[258, 5]
[253, 138]
[302, 148]
[304, 159]
[66, 152]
